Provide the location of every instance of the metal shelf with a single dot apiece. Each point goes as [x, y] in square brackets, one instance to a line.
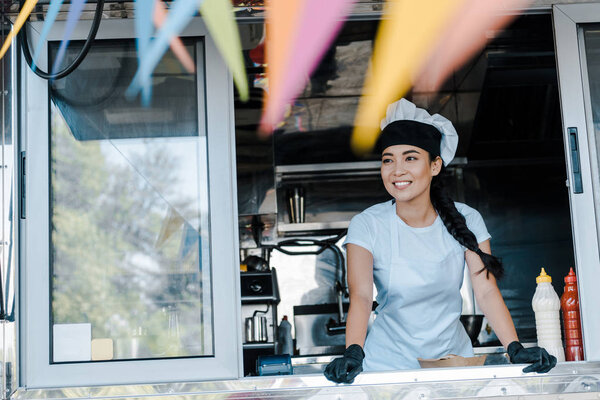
[313, 226]
[258, 345]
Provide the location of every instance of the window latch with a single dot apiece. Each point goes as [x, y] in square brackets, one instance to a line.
[23, 185]
[577, 184]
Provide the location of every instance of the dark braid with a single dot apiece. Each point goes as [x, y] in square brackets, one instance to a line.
[457, 226]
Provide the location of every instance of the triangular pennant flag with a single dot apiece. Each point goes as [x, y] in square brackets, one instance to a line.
[189, 239]
[405, 38]
[75, 11]
[170, 224]
[51, 14]
[283, 20]
[312, 38]
[143, 27]
[177, 47]
[219, 19]
[21, 18]
[464, 36]
[182, 12]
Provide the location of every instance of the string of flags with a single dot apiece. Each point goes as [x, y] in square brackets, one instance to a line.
[418, 42]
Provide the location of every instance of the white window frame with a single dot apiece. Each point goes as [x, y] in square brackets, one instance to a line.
[215, 111]
[576, 112]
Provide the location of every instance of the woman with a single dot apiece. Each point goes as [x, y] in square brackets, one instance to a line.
[414, 248]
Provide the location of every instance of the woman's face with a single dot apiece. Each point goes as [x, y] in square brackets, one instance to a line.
[407, 172]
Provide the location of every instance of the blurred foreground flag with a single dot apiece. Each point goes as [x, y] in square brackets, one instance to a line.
[180, 14]
[299, 32]
[219, 19]
[75, 10]
[464, 36]
[51, 15]
[21, 18]
[144, 9]
[406, 36]
[421, 43]
[177, 46]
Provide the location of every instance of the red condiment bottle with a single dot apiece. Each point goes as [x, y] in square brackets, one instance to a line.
[569, 304]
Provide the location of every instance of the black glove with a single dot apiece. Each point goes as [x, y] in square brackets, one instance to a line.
[538, 356]
[345, 368]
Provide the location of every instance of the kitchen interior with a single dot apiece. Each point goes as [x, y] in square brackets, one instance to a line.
[299, 189]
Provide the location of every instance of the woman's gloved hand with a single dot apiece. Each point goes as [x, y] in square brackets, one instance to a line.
[538, 356]
[347, 367]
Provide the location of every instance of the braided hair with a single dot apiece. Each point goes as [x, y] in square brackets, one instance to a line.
[457, 226]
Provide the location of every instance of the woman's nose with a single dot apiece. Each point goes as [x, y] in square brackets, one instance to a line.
[400, 169]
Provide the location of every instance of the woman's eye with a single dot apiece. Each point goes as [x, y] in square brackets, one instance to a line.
[411, 158]
[386, 160]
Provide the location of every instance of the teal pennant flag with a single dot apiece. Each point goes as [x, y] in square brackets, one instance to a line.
[51, 14]
[144, 11]
[181, 13]
[72, 18]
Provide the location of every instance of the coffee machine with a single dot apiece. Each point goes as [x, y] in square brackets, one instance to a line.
[259, 296]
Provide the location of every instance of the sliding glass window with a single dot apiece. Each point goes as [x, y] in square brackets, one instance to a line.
[128, 213]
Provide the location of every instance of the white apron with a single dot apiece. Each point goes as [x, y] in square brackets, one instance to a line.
[419, 309]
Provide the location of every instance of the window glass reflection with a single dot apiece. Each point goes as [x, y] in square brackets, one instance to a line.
[128, 212]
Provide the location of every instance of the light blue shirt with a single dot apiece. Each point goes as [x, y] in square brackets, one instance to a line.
[418, 273]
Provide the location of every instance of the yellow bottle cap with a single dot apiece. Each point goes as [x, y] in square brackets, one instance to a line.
[543, 277]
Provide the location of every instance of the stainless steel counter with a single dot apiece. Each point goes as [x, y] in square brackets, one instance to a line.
[567, 381]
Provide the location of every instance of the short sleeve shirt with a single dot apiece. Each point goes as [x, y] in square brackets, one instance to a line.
[370, 230]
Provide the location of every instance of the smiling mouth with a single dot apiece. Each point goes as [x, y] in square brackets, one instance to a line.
[401, 185]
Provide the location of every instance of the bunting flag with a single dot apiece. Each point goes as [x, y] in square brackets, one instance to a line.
[21, 18]
[297, 38]
[177, 47]
[282, 21]
[464, 36]
[181, 13]
[75, 10]
[404, 40]
[144, 10]
[189, 240]
[170, 224]
[219, 19]
[51, 15]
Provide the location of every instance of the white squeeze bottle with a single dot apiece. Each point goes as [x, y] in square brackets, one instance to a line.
[546, 306]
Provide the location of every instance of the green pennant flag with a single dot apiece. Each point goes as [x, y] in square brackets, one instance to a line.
[219, 19]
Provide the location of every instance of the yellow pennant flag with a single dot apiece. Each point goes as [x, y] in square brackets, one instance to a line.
[218, 17]
[406, 37]
[21, 18]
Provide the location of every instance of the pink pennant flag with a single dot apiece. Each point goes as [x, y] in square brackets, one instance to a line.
[464, 35]
[177, 47]
[312, 35]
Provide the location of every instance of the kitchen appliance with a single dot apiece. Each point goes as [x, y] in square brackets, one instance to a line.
[280, 364]
[259, 296]
[259, 286]
[256, 329]
[256, 263]
[312, 324]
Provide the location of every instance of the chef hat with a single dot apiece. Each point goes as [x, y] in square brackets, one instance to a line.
[405, 123]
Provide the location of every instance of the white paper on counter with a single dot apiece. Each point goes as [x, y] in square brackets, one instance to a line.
[72, 342]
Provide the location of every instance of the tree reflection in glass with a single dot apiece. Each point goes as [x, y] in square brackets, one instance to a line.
[129, 215]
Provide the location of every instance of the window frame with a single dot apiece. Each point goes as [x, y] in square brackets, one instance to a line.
[215, 117]
[576, 112]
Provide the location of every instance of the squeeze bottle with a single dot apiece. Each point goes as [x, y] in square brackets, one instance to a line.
[285, 343]
[546, 306]
[569, 303]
